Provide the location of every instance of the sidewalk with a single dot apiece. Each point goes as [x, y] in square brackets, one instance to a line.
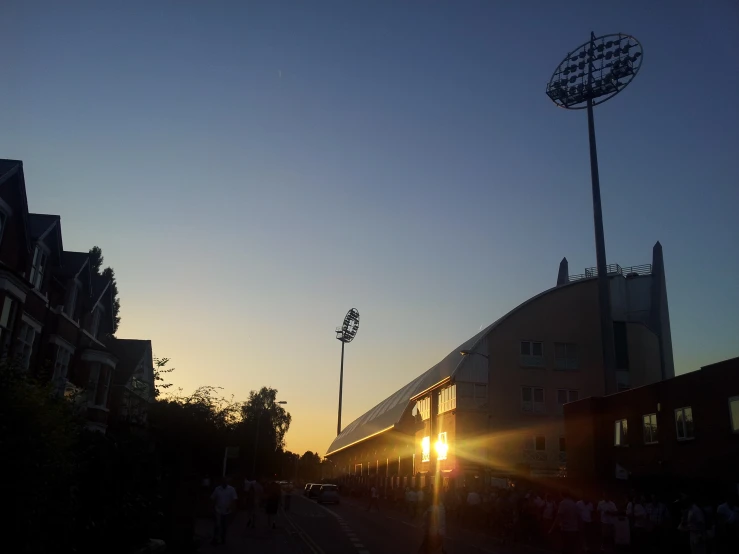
[258, 540]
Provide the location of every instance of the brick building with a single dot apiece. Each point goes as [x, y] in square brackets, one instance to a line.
[56, 315]
[493, 406]
[681, 430]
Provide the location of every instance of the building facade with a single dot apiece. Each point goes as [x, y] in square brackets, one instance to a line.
[493, 407]
[56, 313]
[675, 431]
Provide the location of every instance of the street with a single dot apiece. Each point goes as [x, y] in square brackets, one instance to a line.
[349, 528]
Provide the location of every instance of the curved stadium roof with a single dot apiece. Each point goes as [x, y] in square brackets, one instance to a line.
[388, 412]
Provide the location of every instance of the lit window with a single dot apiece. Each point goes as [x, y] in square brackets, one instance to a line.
[532, 400]
[426, 449]
[564, 396]
[61, 367]
[26, 336]
[621, 433]
[650, 428]
[734, 413]
[447, 399]
[442, 447]
[684, 423]
[532, 353]
[565, 355]
[38, 266]
[424, 408]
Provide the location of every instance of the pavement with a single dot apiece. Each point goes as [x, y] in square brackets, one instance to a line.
[349, 528]
[258, 540]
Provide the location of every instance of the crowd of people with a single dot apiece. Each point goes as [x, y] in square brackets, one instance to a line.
[256, 498]
[640, 523]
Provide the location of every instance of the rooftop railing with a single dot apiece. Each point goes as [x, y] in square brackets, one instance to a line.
[615, 269]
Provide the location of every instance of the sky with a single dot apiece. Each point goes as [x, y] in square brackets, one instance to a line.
[252, 170]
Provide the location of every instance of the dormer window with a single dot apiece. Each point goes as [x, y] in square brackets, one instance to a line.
[38, 266]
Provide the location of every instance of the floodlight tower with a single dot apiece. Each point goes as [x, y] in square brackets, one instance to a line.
[345, 334]
[591, 74]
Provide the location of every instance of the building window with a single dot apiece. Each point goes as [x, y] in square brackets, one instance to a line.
[26, 336]
[650, 428]
[621, 434]
[565, 355]
[69, 309]
[61, 367]
[564, 396]
[426, 449]
[424, 408]
[92, 382]
[7, 321]
[734, 413]
[38, 266]
[540, 443]
[532, 353]
[532, 400]
[447, 399]
[358, 469]
[442, 447]
[684, 423]
[101, 394]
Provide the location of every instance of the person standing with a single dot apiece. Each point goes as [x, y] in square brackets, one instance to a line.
[250, 491]
[695, 523]
[224, 498]
[473, 506]
[420, 499]
[272, 502]
[412, 499]
[568, 521]
[434, 527]
[585, 513]
[641, 525]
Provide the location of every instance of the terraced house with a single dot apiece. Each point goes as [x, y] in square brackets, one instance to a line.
[57, 315]
[493, 407]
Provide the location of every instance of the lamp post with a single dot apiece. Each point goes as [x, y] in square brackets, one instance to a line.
[345, 334]
[591, 74]
[263, 409]
[473, 353]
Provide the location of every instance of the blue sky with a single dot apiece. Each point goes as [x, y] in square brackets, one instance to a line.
[254, 169]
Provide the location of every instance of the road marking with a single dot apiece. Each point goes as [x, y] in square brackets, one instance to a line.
[348, 530]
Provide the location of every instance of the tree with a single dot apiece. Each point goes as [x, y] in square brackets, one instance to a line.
[310, 466]
[159, 369]
[96, 262]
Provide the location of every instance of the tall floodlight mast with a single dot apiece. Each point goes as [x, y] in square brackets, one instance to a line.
[345, 334]
[595, 72]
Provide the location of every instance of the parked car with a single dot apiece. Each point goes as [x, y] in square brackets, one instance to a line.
[328, 493]
[313, 490]
[307, 488]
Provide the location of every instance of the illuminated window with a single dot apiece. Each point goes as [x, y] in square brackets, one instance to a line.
[442, 447]
[447, 399]
[684, 423]
[650, 428]
[424, 408]
[426, 449]
[621, 433]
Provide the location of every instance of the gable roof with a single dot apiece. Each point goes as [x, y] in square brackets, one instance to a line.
[131, 353]
[9, 169]
[40, 226]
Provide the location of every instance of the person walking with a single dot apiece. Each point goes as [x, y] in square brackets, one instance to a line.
[434, 527]
[250, 493]
[224, 498]
[585, 513]
[272, 503]
[411, 499]
[607, 512]
[374, 499]
[567, 520]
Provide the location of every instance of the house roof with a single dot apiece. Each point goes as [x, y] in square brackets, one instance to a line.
[388, 413]
[130, 353]
[40, 224]
[72, 263]
[9, 168]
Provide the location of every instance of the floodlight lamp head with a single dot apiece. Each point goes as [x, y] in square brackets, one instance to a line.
[614, 59]
[349, 328]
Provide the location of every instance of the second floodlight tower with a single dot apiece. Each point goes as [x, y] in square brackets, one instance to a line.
[345, 334]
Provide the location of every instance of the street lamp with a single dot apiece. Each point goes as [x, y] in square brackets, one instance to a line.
[345, 334]
[473, 353]
[256, 438]
[594, 72]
